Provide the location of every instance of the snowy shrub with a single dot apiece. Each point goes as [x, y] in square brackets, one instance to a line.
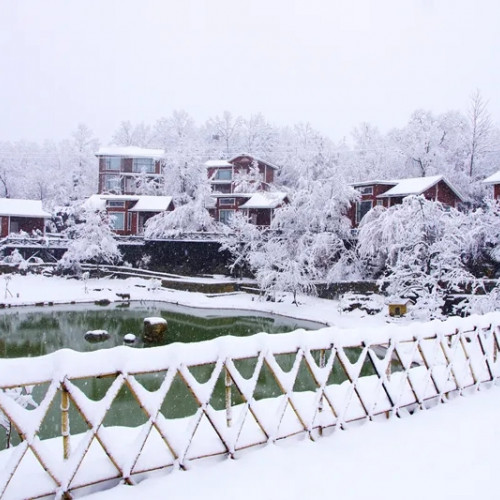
[90, 241]
[15, 259]
[190, 218]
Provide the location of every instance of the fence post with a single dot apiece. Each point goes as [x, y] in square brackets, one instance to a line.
[322, 357]
[228, 383]
[65, 421]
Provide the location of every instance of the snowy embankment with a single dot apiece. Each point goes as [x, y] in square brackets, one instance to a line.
[17, 290]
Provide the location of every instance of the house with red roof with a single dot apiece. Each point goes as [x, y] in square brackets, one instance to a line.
[391, 192]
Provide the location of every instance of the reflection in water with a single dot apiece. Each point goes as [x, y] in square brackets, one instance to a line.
[35, 331]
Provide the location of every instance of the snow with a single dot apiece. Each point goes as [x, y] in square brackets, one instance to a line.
[254, 158]
[131, 152]
[144, 203]
[22, 208]
[155, 321]
[264, 200]
[152, 204]
[217, 163]
[493, 179]
[447, 452]
[417, 185]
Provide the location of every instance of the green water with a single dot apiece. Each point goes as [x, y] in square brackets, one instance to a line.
[37, 331]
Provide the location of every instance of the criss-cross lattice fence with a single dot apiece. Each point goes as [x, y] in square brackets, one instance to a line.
[82, 419]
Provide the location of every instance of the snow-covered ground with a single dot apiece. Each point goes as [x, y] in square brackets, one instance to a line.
[16, 290]
[448, 452]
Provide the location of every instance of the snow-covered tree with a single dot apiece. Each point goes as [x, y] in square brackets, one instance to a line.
[481, 132]
[225, 133]
[192, 217]
[248, 181]
[304, 240]
[258, 136]
[132, 135]
[418, 247]
[90, 241]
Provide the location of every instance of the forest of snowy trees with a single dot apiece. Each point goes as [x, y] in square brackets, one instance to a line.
[419, 249]
[463, 147]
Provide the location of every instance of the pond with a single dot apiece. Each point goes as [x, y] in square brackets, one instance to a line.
[35, 331]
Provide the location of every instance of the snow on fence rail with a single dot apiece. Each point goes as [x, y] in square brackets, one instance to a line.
[220, 396]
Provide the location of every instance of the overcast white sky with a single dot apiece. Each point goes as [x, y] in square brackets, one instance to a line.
[334, 63]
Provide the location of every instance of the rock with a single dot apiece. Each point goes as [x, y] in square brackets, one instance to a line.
[102, 302]
[154, 329]
[129, 338]
[96, 336]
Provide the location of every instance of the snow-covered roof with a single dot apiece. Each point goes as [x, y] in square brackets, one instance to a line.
[152, 204]
[217, 163]
[144, 203]
[229, 163]
[493, 179]
[130, 152]
[265, 200]
[22, 208]
[98, 201]
[254, 158]
[416, 186]
[373, 183]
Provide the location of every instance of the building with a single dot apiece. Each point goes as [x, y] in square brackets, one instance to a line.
[392, 192]
[494, 180]
[243, 183]
[129, 213]
[21, 215]
[123, 169]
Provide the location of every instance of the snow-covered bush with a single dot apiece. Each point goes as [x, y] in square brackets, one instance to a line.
[90, 241]
[186, 219]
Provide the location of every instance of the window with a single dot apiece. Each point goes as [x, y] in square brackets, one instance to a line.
[112, 163]
[223, 175]
[380, 202]
[112, 183]
[145, 165]
[225, 216]
[226, 202]
[129, 221]
[116, 204]
[365, 189]
[362, 207]
[117, 220]
[221, 188]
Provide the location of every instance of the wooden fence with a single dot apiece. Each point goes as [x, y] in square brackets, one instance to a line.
[79, 421]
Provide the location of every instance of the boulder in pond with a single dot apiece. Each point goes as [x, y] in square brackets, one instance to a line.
[129, 338]
[96, 336]
[154, 329]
